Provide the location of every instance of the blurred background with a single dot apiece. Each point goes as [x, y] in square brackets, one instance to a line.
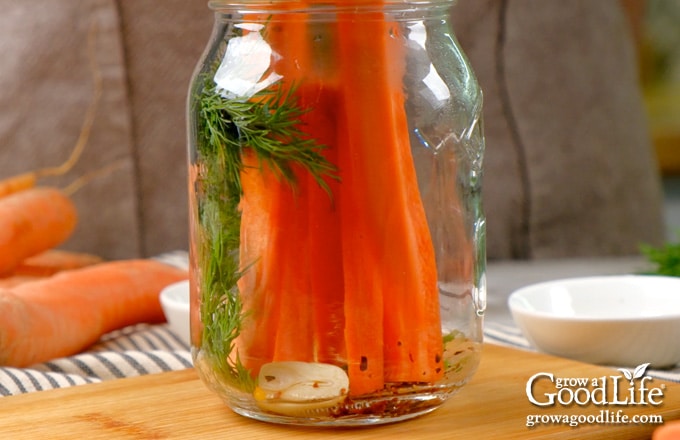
[658, 36]
[581, 114]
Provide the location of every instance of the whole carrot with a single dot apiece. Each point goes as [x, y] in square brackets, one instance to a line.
[33, 221]
[45, 265]
[669, 431]
[52, 261]
[17, 183]
[66, 313]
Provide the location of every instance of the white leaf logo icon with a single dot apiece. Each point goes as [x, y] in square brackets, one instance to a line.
[626, 373]
[637, 373]
[640, 371]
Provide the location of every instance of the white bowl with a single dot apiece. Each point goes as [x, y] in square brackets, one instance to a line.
[622, 320]
[175, 302]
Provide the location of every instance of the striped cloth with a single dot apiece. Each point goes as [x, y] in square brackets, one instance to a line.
[132, 351]
[147, 349]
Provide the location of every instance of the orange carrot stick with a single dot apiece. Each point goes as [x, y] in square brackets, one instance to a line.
[31, 222]
[326, 278]
[363, 296]
[275, 290]
[387, 214]
[260, 238]
[294, 337]
[68, 312]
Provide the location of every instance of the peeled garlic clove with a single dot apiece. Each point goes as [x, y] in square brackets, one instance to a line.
[300, 409]
[300, 388]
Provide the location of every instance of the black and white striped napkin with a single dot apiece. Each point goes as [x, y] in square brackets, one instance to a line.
[132, 351]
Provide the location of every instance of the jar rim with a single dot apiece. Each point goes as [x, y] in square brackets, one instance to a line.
[292, 5]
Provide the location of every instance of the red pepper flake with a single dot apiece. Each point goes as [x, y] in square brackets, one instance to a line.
[363, 366]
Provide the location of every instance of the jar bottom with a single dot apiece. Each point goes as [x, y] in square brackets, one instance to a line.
[401, 402]
[364, 412]
[368, 411]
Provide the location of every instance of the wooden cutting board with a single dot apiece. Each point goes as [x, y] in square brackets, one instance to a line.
[177, 405]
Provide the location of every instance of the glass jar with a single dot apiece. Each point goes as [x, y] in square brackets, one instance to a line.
[337, 252]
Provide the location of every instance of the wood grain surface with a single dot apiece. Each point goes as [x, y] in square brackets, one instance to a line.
[177, 405]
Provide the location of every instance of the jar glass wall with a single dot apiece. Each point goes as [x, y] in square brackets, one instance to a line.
[337, 235]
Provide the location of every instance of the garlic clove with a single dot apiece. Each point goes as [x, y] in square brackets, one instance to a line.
[300, 388]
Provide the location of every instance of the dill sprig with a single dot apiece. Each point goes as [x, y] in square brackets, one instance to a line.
[269, 125]
[666, 259]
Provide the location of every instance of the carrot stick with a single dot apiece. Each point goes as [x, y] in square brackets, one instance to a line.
[68, 312]
[311, 292]
[392, 224]
[31, 222]
[326, 278]
[363, 296]
[276, 292]
[294, 337]
[260, 238]
[265, 248]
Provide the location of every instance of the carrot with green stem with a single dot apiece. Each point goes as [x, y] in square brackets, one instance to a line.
[66, 313]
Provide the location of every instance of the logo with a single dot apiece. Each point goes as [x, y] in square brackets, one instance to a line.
[633, 388]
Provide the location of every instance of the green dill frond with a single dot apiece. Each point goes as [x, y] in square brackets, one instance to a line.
[270, 126]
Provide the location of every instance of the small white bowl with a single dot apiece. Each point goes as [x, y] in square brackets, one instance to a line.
[622, 320]
[175, 303]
